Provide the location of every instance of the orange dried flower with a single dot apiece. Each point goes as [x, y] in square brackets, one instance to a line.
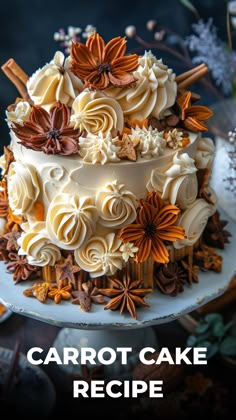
[192, 117]
[153, 226]
[99, 65]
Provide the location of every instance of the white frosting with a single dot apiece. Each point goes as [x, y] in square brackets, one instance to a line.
[95, 112]
[2, 163]
[100, 255]
[23, 187]
[116, 206]
[36, 245]
[54, 176]
[54, 82]
[205, 153]
[152, 143]
[71, 220]
[128, 250]
[19, 114]
[99, 148]
[154, 93]
[194, 221]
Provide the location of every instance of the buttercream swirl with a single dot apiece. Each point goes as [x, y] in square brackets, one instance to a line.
[116, 206]
[100, 148]
[95, 112]
[194, 220]
[54, 82]
[152, 143]
[100, 255]
[154, 93]
[23, 187]
[36, 245]
[71, 220]
[181, 185]
[205, 153]
[19, 113]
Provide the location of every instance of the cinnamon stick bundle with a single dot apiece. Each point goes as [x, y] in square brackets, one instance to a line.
[17, 76]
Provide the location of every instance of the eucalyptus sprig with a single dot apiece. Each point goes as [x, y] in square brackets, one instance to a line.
[215, 335]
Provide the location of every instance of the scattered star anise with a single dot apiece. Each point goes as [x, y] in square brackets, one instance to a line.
[191, 269]
[192, 116]
[12, 238]
[49, 132]
[60, 293]
[208, 259]
[19, 266]
[153, 226]
[39, 290]
[171, 278]
[88, 295]
[125, 294]
[214, 234]
[65, 270]
[100, 65]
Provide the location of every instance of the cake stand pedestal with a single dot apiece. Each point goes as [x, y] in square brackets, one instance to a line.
[100, 328]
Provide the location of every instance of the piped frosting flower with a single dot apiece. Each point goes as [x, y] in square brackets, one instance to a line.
[95, 112]
[152, 143]
[18, 113]
[54, 82]
[99, 148]
[100, 65]
[155, 224]
[49, 132]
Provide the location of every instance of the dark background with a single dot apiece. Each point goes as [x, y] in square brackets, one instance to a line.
[27, 28]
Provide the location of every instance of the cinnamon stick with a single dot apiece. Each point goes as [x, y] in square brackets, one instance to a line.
[181, 77]
[17, 76]
[193, 78]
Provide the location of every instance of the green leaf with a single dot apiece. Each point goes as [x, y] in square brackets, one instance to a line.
[212, 318]
[228, 346]
[191, 341]
[218, 329]
[201, 328]
[190, 6]
[228, 326]
[212, 350]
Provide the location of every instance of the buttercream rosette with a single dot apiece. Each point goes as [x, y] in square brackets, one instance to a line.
[54, 82]
[99, 148]
[155, 90]
[116, 206]
[100, 255]
[23, 187]
[71, 220]
[95, 112]
[38, 248]
[193, 221]
[19, 113]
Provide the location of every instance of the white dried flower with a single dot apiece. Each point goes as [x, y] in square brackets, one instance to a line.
[128, 250]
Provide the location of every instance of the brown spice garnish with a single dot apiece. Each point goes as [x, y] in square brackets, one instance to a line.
[100, 65]
[39, 290]
[50, 133]
[214, 234]
[208, 259]
[9, 158]
[12, 238]
[191, 76]
[65, 270]
[128, 148]
[19, 266]
[60, 293]
[125, 294]
[203, 176]
[192, 270]
[17, 76]
[192, 116]
[153, 226]
[171, 278]
[90, 294]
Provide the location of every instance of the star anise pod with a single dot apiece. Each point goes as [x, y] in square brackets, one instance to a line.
[214, 234]
[19, 266]
[125, 294]
[192, 116]
[208, 259]
[191, 269]
[65, 270]
[49, 132]
[88, 295]
[171, 278]
[60, 293]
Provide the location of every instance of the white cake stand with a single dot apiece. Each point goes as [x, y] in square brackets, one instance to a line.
[110, 329]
